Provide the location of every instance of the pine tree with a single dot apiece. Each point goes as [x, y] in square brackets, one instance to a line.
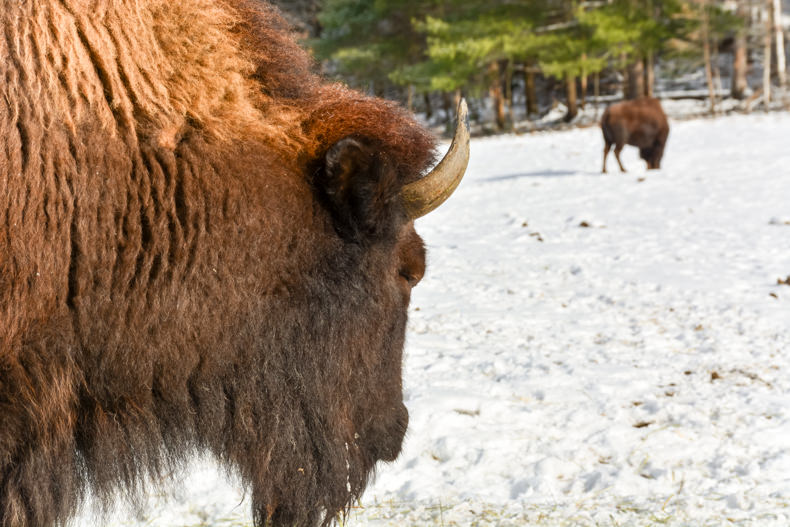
[366, 42]
[449, 47]
[472, 46]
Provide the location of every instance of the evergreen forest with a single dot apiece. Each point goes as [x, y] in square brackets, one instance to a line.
[515, 59]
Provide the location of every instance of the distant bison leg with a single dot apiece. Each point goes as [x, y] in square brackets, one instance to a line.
[658, 153]
[617, 149]
[39, 473]
[647, 155]
[606, 148]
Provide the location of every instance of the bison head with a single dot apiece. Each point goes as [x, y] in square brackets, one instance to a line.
[344, 369]
[373, 212]
[652, 155]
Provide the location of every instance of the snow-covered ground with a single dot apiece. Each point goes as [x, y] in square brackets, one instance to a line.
[587, 348]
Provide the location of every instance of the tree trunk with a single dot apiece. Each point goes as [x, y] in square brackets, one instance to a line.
[573, 109]
[706, 57]
[447, 102]
[495, 92]
[596, 90]
[428, 107]
[530, 90]
[650, 62]
[780, 43]
[583, 82]
[739, 82]
[739, 65]
[507, 82]
[716, 70]
[410, 98]
[636, 80]
[767, 58]
[650, 74]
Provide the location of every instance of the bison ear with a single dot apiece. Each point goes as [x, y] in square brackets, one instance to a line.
[360, 187]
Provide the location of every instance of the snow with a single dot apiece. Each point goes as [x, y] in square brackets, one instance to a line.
[587, 348]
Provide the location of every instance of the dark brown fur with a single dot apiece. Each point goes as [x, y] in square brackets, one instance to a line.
[640, 123]
[201, 250]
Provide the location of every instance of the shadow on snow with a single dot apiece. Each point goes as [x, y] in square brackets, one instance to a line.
[541, 173]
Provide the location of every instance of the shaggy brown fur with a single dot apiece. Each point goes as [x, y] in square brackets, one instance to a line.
[201, 250]
[641, 123]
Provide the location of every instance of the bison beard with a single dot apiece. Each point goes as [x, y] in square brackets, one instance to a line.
[202, 249]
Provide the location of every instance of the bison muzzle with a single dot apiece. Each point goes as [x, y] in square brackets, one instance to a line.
[204, 248]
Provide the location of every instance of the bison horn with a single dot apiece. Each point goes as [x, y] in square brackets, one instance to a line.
[430, 191]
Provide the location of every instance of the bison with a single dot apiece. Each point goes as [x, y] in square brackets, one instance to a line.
[640, 123]
[204, 248]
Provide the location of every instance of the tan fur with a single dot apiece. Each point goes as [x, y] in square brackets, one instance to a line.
[142, 67]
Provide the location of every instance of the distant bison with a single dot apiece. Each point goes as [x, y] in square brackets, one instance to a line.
[204, 248]
[640, 123]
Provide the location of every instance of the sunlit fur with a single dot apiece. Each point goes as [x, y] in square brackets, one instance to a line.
[173, 276]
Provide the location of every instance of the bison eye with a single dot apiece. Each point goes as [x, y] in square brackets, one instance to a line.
[410, 278]
[412, 272]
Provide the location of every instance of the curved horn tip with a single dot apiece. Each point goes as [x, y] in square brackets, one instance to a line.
[463, 113]
[427, 193]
